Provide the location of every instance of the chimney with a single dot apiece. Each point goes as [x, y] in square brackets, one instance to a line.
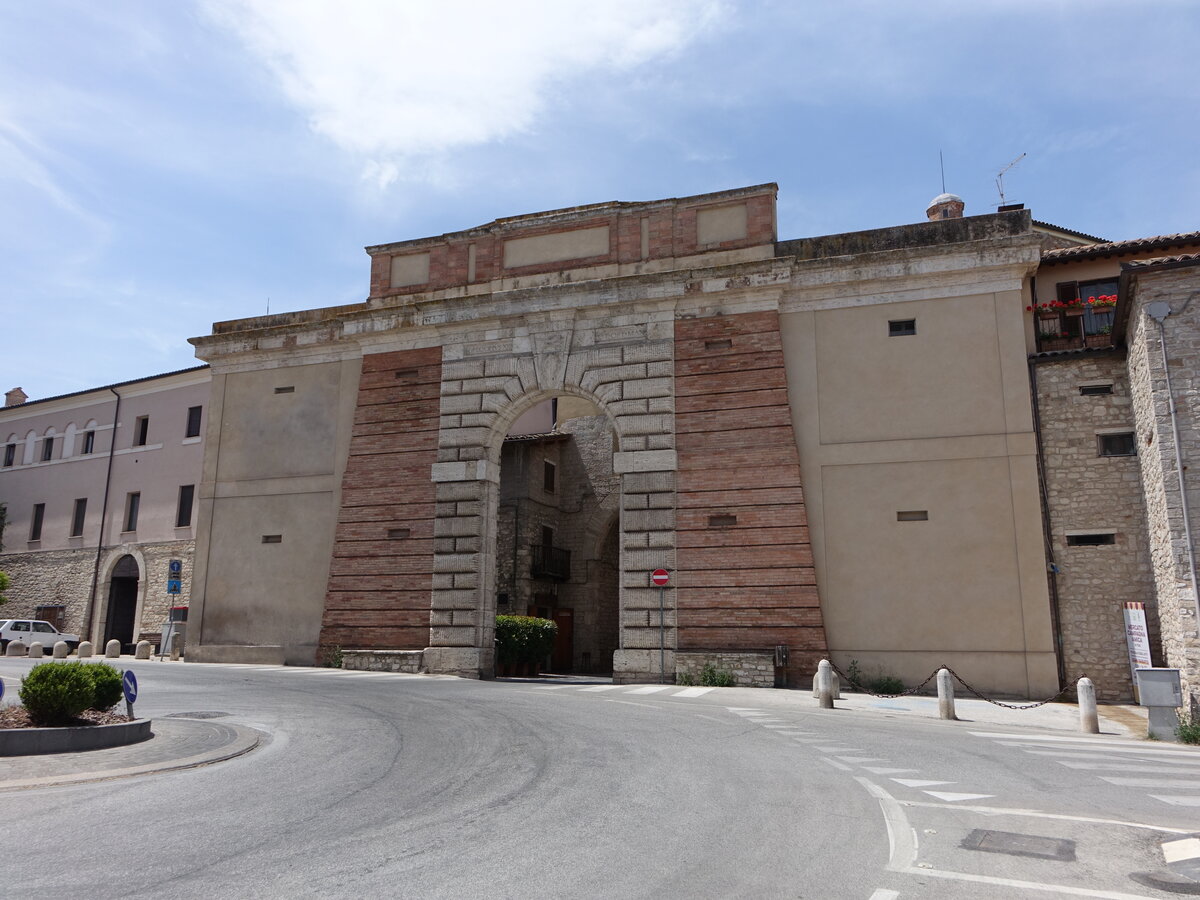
[945, 206]
[15, 397]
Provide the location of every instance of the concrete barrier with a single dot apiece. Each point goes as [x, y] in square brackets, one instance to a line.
[61, 650]
[36, 650]
[112, 649]
[142, 650]
[16, 648]
[85, 649]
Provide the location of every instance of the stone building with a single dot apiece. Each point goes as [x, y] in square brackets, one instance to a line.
[99, 493]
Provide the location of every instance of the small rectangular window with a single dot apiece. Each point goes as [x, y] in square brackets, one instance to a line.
[547, 536]
[912, 515]
[141, 431]
[901, 327]
[548, 475]
[1091, 540]
[132, 502]
[722, 521]
[89, 442]
[286, 389]
[272, 538]
[1122, 444]
[77, 517]
[406, 373]
[397, 534]
[193, 422]
[1090, 390]
[35, 524]
[10, 454]
[47, 449]
[183, 512]
[718, 345]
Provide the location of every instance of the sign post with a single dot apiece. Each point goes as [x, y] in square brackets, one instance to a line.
[661, 578]
[129, 686]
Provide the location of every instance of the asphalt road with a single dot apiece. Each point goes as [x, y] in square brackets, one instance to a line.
[386, 785]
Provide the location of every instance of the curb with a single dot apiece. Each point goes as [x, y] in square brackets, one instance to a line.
[72, 739]
[246, 739]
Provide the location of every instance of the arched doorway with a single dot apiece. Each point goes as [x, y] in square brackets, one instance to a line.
[122, 601]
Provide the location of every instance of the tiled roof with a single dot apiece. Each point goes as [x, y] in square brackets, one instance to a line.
[1178, 260]
[1070, 231]
[104, 387]
[1120, 248]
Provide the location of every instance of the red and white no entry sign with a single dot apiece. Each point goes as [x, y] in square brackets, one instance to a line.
[660, 577]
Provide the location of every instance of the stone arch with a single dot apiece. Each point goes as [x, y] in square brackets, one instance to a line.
[485, 387]
[117, 556]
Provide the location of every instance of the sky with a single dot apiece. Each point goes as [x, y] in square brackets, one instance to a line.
[166, 165]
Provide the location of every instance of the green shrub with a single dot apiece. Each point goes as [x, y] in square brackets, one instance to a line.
[332, 657]
[711, 676]
[523, 639]
[886, 684]
[685, 678]
[54, 693]
[1188, 730]
[106, 685]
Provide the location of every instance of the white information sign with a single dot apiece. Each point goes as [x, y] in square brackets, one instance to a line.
[1137, 638]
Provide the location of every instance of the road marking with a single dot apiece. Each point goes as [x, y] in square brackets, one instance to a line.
[1120, 766]
[741, 709]
[859, 760]
[809, 740]
[1139, 751]
[1178, 801]
[952, 797]
[650, 689]
[884, 894]
[551, 687]
[1038, 814]
[1176, 851]
[917, 782]
[835, 764]
[596, 688]
[694, 692]
[1193, 761]
[1053, 738]
[876, 770]
[837, 750]
[791, 733]
[1151, 782]
[766, 721]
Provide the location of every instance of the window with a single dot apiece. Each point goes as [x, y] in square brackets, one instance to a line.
[35, 525]
[1098, 298]
[47, 449]
[548, 472]
[1097, 539]
[77, 517]
[132, 502]
[1091, 390]
[547, 536]
[183, 513]
[902, 327]
[141, 431]
[912, 515]
[193, 421]
[272, 538]
[1122, 444]
[89, 442]
[55, 615]
[10, 455]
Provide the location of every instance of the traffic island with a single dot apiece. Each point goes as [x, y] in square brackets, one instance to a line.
[72, 738]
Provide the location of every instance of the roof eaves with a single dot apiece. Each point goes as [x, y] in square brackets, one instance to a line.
[104, 387]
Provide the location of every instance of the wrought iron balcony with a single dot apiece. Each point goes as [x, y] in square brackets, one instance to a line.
[552, 563]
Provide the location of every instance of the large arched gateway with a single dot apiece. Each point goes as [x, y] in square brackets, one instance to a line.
[353, 497]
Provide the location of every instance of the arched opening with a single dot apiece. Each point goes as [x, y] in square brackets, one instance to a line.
[122, 602]
[557, 544]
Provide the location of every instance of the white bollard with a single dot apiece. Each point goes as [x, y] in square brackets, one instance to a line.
[1089, 718]
[824, 684]
[175, 642]
[36, 651]
[837, 683]
[945, 686]
[112, 649]
[85, 649]
[16, 648]
[61, 650]
[142, 651]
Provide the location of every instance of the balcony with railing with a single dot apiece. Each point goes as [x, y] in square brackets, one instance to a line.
[552, 563]
[1075, 324]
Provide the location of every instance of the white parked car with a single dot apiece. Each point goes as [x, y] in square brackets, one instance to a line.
[26, 631]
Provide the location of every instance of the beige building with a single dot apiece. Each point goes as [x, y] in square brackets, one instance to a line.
[99, 493]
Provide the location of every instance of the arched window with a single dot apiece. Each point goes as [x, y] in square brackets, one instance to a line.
[49, 439]
[30, 446]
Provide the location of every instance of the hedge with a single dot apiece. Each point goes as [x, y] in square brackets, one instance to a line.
[523, 639]
[55, 693]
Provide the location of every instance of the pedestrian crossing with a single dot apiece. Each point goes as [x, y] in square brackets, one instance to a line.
[660, 690]
[1169, 774]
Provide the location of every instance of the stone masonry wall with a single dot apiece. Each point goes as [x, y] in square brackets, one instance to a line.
[748, 669]
[381, 573]
[1086, 491]
[747, 579]
[1156, 443]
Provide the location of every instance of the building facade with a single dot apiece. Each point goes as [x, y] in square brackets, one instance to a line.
[99, 493]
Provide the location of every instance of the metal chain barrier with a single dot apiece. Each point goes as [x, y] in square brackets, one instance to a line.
[850, 681]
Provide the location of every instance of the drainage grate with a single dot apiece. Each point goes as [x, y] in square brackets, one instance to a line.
[196, 715]
[1020, 845]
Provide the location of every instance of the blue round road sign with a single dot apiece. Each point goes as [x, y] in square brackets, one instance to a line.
[129, 683]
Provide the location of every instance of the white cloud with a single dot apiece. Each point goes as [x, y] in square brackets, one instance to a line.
[393, 81]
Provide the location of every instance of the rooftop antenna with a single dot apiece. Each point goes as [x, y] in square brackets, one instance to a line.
[942, 164]
[1000, 176]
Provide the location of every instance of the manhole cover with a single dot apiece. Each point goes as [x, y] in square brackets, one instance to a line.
[196, 715]
[1020, 845]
